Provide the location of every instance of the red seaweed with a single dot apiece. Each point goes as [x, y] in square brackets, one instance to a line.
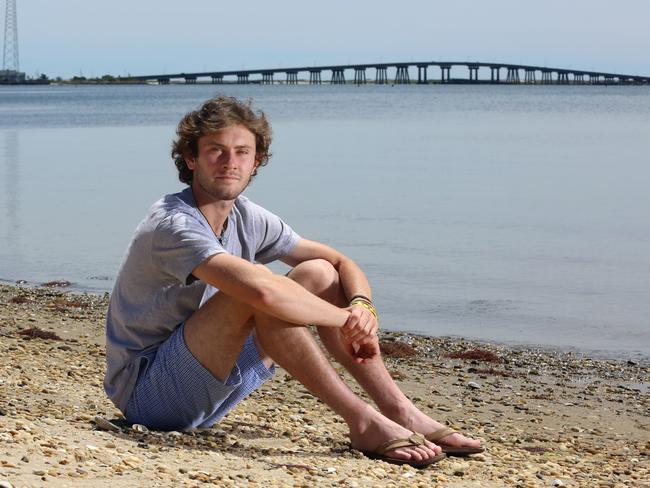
[20, 299]
[396, 349]
[36, 333]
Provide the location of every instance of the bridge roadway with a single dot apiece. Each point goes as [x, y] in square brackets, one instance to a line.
[511, 72]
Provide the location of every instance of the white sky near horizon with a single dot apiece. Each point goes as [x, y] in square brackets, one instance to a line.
[72, 37]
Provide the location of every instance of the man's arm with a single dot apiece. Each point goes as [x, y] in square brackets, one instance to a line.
[353, 280]
[360, 330]
[276, 295]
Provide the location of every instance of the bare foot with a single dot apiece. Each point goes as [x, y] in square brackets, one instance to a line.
[372, 430]
[411, 418]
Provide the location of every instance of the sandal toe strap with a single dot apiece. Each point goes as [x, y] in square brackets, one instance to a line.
[436, 435]
[414, 439]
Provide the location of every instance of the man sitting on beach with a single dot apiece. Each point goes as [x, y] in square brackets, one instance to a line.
[195, 324]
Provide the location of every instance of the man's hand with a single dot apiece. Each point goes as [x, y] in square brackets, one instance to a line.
[360, 334]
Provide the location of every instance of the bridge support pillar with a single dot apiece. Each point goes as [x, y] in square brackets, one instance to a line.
[163, 81]
[473, 73]
[292, 77]
[609, 80]
[562, 78]
[338, 76]
[267, 78]
[422, 74]
[359, 76]
[530, 76]
[217, 80]
[594, 79]
[547, 77]
[579, 78]
[314, 77]
[381, 75]
[190, 80]
[242, 79]
[495, 74]
[445, 74]
[402, 75]
[513, 75]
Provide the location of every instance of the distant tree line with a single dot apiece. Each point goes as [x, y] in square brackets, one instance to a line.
[7, 77]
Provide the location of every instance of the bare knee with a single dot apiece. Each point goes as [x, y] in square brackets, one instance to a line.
[319, 277]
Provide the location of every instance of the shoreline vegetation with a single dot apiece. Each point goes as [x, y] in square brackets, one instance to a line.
[547, 418]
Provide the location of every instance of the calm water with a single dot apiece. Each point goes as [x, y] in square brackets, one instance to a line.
[513, 214]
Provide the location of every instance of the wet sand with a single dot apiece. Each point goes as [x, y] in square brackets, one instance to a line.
[547, 418]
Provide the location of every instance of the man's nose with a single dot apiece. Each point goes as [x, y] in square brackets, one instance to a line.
[227, 158]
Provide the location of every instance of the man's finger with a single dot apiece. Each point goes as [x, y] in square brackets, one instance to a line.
[358, 335]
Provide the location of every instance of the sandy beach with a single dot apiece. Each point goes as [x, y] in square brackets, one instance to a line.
[547, 418]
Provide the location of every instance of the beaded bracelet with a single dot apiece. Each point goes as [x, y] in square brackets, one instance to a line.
[366, 305]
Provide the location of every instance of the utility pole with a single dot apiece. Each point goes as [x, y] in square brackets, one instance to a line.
[10, 67]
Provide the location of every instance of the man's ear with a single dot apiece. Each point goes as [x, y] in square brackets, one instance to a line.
[190, 161]
[258, 160]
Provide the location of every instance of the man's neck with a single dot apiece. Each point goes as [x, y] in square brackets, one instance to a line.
[215, 211]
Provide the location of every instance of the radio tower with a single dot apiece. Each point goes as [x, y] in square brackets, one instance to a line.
[10, 65]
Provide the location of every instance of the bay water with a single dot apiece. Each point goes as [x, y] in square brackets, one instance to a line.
[516, 214]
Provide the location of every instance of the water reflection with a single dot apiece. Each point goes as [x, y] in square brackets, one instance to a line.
[10, 162]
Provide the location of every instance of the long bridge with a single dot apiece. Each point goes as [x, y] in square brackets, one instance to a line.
[499, 74]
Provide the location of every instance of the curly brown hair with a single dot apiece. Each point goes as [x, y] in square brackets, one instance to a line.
[215, 114]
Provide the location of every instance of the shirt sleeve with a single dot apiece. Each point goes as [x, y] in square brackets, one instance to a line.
[274, 237]
[180, 243]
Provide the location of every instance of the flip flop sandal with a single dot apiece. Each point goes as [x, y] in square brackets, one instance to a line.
[413, 440]
[436, 435]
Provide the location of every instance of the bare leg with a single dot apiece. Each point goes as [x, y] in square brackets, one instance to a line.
[373, 377]
[295, 349]
[216, 332]
[380, 386]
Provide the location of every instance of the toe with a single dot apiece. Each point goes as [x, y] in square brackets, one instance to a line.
[434, 448]
[401, 453]
[459, 440]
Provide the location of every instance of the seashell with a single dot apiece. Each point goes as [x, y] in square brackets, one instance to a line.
[140, 428]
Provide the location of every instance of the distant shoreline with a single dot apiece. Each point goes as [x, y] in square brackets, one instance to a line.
[62, 286]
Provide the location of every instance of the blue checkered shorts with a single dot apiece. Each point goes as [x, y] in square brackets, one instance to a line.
[174, 391]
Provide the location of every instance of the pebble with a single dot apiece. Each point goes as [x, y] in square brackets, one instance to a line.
[474, 385]
[558, 483]
[459, 469]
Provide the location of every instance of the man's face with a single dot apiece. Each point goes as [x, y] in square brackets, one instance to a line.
[224, 163]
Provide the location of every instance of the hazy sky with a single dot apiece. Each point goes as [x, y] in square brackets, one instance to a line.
[69, 37]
